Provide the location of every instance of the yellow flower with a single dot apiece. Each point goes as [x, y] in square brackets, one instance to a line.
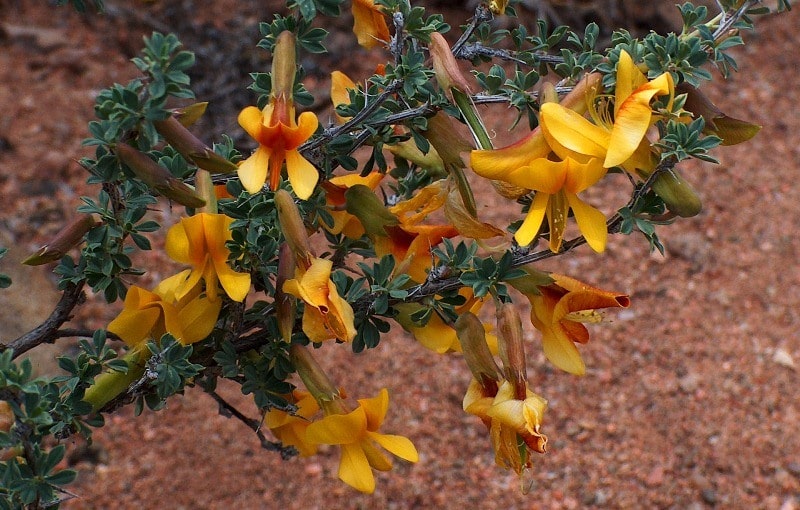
[290, 429]
[326, 315]
[369, 24]
[335, 189]
[526, 164]
[411, 246]
[614, 140]
[341, 84]
[514, 424]
[560, 310]
[357, 435]
[200, 242]
[148, 315]
[278, 136]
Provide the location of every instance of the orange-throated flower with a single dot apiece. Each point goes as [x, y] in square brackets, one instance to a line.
[277, 131]
[149, 315]
[199, 241]
[326, 315]
[559, 312]
[369, 24]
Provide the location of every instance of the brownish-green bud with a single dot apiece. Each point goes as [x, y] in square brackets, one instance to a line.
[69, 237]
[285, 303]
[365, 205]
[157, 177]
[188, 115]
[191, 148]
[730, 130]
[408, 150]
[472, 337]
[449, 145]
[284, 65]
[445, 67]
[512, 349]
[293, 228]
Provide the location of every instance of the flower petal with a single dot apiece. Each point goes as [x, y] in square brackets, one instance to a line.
[494, 164]
[253, 171]
[561, 352]
[533, 221]
[591, 222]
[354, 469]
[398, 445]
[198, 318]
[375, 409]
[339, 428]
[302, 174]
[567, 130]
[251, 119]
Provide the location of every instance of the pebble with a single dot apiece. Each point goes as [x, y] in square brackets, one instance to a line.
[689, 383]
[709, 496]
[793, 468]
[783, 358]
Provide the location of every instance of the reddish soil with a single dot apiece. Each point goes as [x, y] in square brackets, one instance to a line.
[691, 399]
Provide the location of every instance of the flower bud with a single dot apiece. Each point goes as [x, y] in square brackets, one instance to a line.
[365, 205]
[293, 228]
[69, 237]
[730, 130]
[472, 336]
[108, 385]
[315, 379]
[466, 224]
[157, 177]
[284, 66]
[188, 115]
[512, 349]
[445, 67]
[284, 302]
[191, 148]
[677, 194]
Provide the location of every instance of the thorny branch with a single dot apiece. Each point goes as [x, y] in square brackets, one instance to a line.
[47, 331]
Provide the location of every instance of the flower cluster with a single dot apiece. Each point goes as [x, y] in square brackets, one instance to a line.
[332, 232]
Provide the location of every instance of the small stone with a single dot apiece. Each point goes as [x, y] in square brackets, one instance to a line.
[793, 468]
[709, 496]
[655, 478]
[783, 358]
[788, 504]
[688, 383]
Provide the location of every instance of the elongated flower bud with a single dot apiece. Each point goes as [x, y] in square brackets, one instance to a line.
[69, 237]
[315, 379]
[445, 66]
[293, 228]
[190, 114]
[284, 66]
[191, 148]
[284, 302]
[157, 177]
[729, 129]
[472, 336]
[512, 349]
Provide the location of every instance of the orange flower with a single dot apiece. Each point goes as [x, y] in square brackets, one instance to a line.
[559, 313]
[357, 435]
[149, 315]
[290, 429]
[411, 246]
[200, 242]
[326, 315]
[335, 189]
[369, 24]
[278, 136]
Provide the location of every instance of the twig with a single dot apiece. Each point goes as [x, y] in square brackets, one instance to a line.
[482, 14]
[227, 410]
[47, 332]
